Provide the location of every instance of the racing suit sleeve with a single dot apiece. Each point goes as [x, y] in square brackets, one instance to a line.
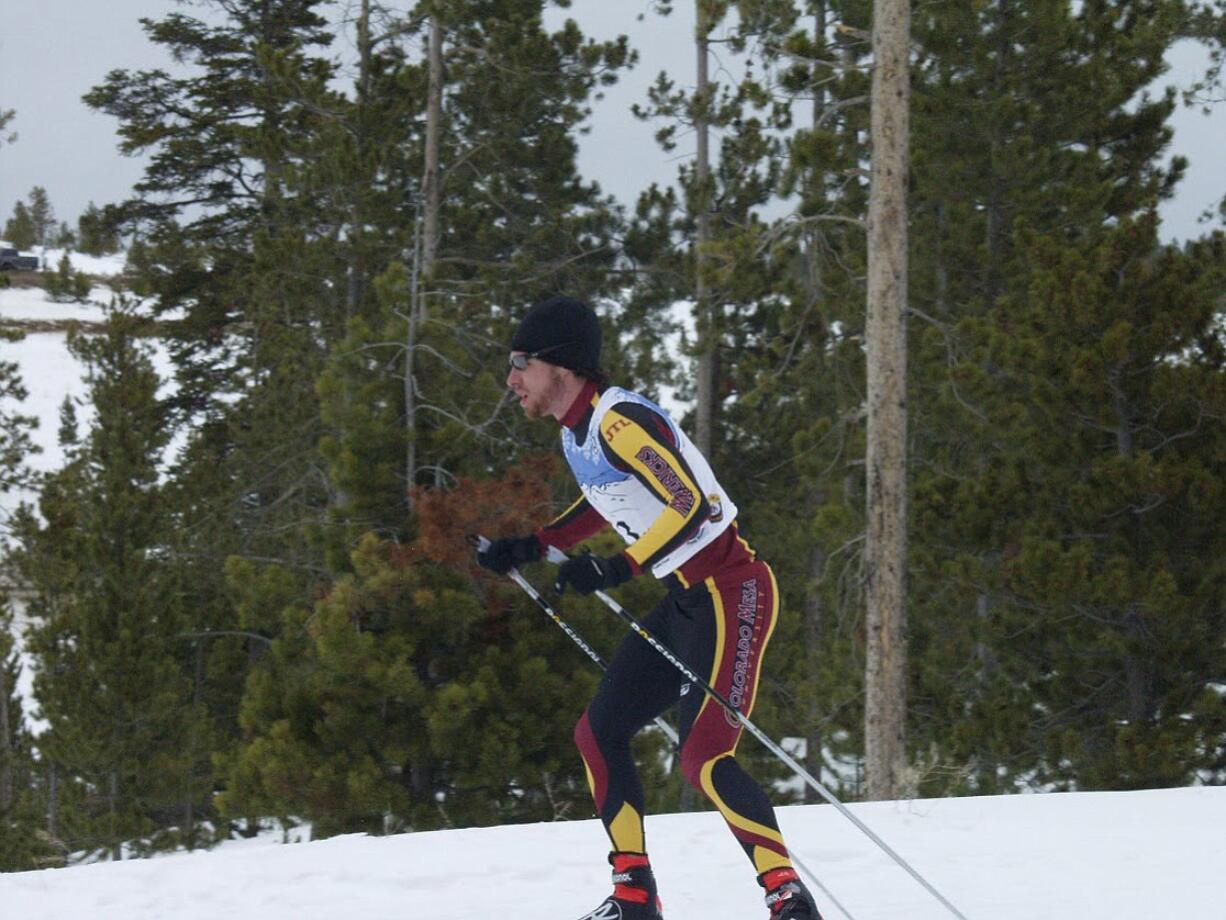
[639, 441]
[575, 524]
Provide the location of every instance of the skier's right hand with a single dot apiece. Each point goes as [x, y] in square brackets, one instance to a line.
[509, 552]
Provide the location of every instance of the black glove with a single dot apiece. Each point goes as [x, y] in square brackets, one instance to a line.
[503, 555]
[588, 573]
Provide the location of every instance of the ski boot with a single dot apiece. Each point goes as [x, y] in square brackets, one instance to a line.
[634, 891]
[786, 896]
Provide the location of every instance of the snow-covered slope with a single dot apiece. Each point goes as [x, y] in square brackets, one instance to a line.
[1158, 855]
[99, 266]
[48, 371]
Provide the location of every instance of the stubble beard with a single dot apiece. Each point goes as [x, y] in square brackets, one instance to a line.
[539, 405]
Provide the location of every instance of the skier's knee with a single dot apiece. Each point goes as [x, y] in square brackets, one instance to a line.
[694, 758]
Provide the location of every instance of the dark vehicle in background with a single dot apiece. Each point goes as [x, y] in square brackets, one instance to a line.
[13, 261]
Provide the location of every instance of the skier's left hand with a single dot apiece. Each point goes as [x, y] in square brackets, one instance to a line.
[588, 573]
[508, 553]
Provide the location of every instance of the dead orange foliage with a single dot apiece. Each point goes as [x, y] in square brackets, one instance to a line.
[514, 504]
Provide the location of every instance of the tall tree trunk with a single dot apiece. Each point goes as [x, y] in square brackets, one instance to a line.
[53, 801]
[812, 638]
[425, 240]
[7, 752]
[193, 747]
[996, 221]
[112, 799]
[886, 461]
[813, 606]
[704, 311]
[356, 286]
[431, 188]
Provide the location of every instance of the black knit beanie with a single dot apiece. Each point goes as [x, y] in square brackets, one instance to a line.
[562, 331]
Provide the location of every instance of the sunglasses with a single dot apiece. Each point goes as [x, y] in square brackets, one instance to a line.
[519, 361]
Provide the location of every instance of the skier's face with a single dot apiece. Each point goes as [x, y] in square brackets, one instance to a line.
[540, 386]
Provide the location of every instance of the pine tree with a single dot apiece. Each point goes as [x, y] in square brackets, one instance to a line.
[19, 229]
[987, 180]
[96, 236]
[513, 222]
[16, 444]
[409, 697]
[1111, 584]
[42, 216]
[64, 237]
[982, 171]
[215, 177]
[795, 367]
[7, 136]
[11, 728]
[234, 239]
[792, 422]
[333, 716]
[21, 845]
[674, 236]
[66, 284]
[412, 396]
[107, 619]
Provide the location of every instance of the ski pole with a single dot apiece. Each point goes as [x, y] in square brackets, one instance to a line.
[556, 555]
[481, 543]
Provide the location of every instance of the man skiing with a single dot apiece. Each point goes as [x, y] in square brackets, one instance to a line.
[641, 475]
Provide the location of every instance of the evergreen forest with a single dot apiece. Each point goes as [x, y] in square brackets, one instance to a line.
[342, 219]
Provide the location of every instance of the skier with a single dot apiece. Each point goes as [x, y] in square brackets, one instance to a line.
[640, 474]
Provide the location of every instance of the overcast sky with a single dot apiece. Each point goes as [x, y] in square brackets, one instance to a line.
[54, 51]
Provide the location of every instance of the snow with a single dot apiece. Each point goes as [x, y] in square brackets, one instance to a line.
[50, 373]
[32, 304]
[101, 266]
[1088, 856]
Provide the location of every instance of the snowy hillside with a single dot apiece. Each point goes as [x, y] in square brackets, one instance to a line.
[1155, 855]
[49, 372]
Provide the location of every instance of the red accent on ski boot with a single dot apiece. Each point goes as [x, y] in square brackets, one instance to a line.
[634, 891]
[786, 896]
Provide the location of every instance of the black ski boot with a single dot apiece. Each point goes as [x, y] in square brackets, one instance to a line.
[634, 891]
[786, 896]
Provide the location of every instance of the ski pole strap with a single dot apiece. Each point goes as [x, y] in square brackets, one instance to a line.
[553, 554]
